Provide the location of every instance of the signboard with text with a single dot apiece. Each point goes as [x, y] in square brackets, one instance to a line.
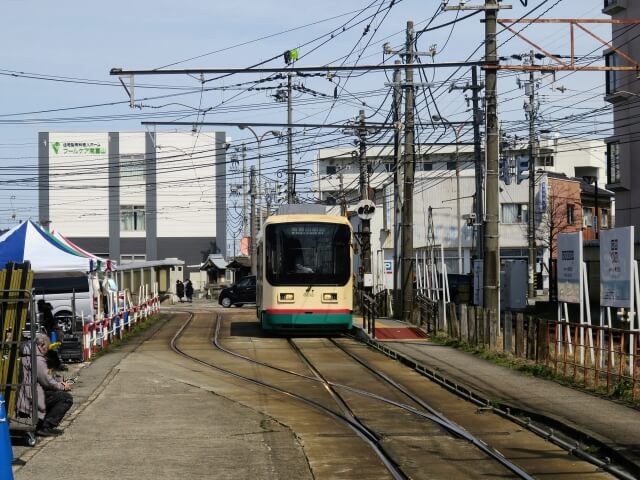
[616, 267]
[569, 267]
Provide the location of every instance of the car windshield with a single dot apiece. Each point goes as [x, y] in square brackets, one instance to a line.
[309, 253]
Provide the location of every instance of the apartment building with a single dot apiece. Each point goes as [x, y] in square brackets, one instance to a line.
[623, 92]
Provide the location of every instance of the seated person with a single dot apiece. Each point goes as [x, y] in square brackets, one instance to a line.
[53, 399]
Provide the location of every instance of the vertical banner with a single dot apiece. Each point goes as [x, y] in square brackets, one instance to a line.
[570, 267]
[616, 267]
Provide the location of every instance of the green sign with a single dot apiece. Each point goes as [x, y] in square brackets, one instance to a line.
[78, 148]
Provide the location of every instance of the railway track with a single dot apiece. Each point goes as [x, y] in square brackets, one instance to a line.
[361, 401]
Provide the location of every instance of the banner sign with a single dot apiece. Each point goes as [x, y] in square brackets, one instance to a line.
[569, 267]
[616, 267]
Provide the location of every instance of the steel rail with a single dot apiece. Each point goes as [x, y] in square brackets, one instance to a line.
[505, 412]
[436, 417]
[364, 434]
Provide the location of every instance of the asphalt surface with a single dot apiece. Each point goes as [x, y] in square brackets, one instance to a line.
[139, 413]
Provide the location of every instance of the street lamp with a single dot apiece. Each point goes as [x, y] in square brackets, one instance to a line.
[447, 123]
[259, 139]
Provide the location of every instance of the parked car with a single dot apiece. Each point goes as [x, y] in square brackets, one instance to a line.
[242, 292]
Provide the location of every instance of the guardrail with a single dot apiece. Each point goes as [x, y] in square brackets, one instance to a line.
[369, 305]
[98, 333]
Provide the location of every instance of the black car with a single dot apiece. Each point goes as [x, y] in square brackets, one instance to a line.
[242, 292]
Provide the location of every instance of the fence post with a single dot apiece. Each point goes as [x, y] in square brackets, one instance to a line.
[542, 352]
[519, 335]
[451, 324]
[472, 325]
[464, 325]
[508, 332]
[531, 338]
[493, 330]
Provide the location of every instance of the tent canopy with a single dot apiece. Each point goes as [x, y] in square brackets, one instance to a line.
[28, 241]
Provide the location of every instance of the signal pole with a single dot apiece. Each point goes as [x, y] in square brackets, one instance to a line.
[409, 167]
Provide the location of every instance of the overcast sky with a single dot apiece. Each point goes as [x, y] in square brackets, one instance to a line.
[56, 57]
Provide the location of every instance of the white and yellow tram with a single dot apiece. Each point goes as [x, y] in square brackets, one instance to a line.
[304, 278]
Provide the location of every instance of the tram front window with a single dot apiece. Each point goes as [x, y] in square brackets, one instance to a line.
[307, 254]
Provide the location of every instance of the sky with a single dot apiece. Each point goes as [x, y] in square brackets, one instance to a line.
[56, 58]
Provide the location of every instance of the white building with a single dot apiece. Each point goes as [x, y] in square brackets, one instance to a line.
[436, 194]
[135, 195]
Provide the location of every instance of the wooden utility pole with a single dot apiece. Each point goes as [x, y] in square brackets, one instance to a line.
[531, 224]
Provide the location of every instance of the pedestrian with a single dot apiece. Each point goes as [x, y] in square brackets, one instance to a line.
[180, 289]
[53, 330]
[188, 290]
[53, 399]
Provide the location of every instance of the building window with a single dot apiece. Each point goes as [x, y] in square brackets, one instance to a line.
[133, 258]
[587, 217]
[515, 213]
[427, 166]
[571, 214]
[332, 169]
[612, 77]
[604, 218]
[546, 160]
[389, 166]
[132, 218]
[132, 167]
[613, 162]
[451, 165]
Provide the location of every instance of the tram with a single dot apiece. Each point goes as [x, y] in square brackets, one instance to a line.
[304, 273]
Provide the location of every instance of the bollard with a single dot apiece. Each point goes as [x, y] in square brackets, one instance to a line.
[6, 454]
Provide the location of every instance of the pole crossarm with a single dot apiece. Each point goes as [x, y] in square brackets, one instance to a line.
[318, 68]
[560, 65]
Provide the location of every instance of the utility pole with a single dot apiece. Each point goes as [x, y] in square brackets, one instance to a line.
[244, 190]
[479, 164]
[491, 232]
[364, 195]
[289, 140]
[409, 170]
[492, 227]
[252, 235]
[397, 192]
[531, 230]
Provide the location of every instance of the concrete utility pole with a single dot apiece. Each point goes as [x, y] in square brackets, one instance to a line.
[491, 269]
[531, 224]
[364, 195]
[492, 227]
[289, 140]
[397, 193]
[479, 164]
[409, 171]
[252, 235]
[243, 150]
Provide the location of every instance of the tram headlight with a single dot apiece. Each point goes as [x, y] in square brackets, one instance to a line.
[330, 297]
[286, 297]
